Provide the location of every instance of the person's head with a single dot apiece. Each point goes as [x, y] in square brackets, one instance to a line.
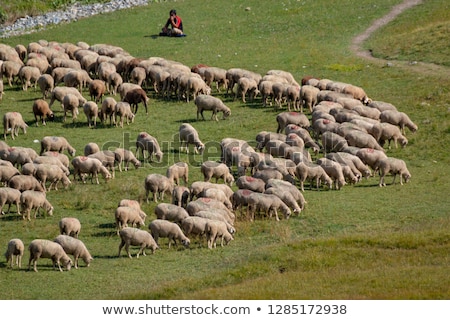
[173, 12]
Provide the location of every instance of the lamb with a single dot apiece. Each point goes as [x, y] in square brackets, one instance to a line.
[216, 194]
[180, 196]
[42, 110]
[13, 121]
[177, 171]
[308, 97]
[334, 171]
[394, 166]
[69, 226]
[58, 144]
[251, 183]
[41, 248]
[108, 109]
[127, 157]
[97, 89]
[136, 237]
[25, 182]
[313, 172]
[269, 204]
[85, 165]
[15, 250]
[390, 133]
[30, 199]
[90, 109]
[296, 118]
[9, 196]
[189, 135]
[58, 93]
[158, 184]
[217, 229]
[147, 142]
[91, 148]
[29, 75]
[171, 212]
[76, 248]
[167, 229]
[136, 96]
[210, 103]
[125, 214]
[212, 169]
[398, 118]
[361, 139]
[52, 173]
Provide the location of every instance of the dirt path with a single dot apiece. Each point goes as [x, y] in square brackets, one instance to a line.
[422, 67]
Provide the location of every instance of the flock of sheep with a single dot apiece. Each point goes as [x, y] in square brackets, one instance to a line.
[343, 124]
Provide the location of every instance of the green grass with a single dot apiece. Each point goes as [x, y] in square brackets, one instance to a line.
[363, 242]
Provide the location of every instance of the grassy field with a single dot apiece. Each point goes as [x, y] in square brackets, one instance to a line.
[362, 242]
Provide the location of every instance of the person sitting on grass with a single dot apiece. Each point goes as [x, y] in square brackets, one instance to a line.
[173, 26]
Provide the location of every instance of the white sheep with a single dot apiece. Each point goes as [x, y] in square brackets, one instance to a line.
[171, 212]
[212, 169]
[217, 229]
[85, 165]
[46, 83]
[29, 75]
[215, 74]
[76, 248]
[371, 157]
[91, 148]
[90, 109]
[158, 184]
[398, 118]
[313, 172]
[58, 93]
[149, 143]
[136, 237]
[267, 203]
[216, 194]
[107, 110]
[198, 186]
[69, 226]
[114, 81]
[308, 97]
[125, 214]
[177, 171]
[52, 173]
[210, 103]
[58, 144]
[394, 166]
[30, 199]
[12, 122]
[286, 197]
[167, 229]
[247, 86]
[197, 87]
[54, 158]
[123, 111]
[25, 182]
[209, 204]
[251, 183]
[360, 139]
[15, 249]
[194, 226]
[7, 172]
[97, 89]
[126, 157]
[9, 196]
[42, 248]
[108, 159]
[334, 171]
[189, 135]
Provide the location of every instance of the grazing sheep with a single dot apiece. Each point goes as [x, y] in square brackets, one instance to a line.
[123, 111]
[136, 96]
[133, 204]
[240, 199]
[189, 135]
[251, 183]
[58, 93]
[216, 194]
[167, 229]
[209, 204]
[114, 81]
[9, 196]
[398, 118]
[42, 110]
[18, 156]
[313, 172]
[85, 165]
[108, 109]
[196, 86]
[268, 203]
[332, 142]
[210, 103]
[287, 186]
[158, 184]
[77, 79]
[295, 118]
[125, 214]
[147, 142]
[127, 157]
[71, 103]
[76, 248]
[273, 173]
[15, 250]
[390, 132]
[7, 172]
[91, 148]
[104, 69]
[194, 226]
[24, 182]
[13, 121]
[371, 157]
[199, 186]
[350, 161]
[308, 97]
[28, 76]
[215, 74]
[54, 158]
[70, 226]
[41, 248]
[90, 109]
[30, 199]
[138, 75]
[107, 158]
[334, 171]
[180, 196]
[136, 237]
[394, 166]
[212, 169]
[52, 173]
[362, 139]
[177, 171]
[357, 93]
[58, 144]
[304, 134]
[97, 89]
[10, 69]
[217, 229]
[247, 86]
[171, 212]
[286, 197]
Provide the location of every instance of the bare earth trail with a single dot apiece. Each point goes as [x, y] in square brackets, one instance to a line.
[422, 67]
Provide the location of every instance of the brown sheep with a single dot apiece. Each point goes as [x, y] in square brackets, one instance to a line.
[136, 96]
